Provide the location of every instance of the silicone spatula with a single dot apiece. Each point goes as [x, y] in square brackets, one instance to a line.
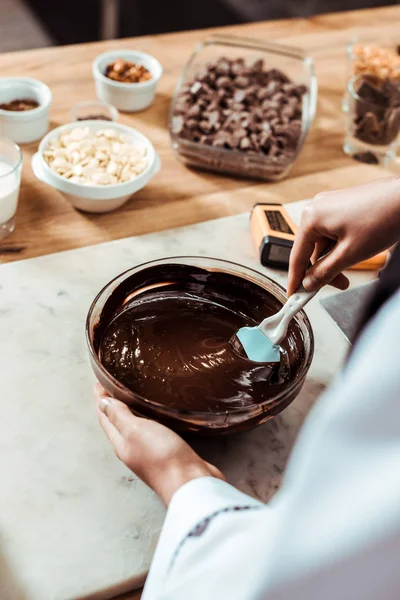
[261, 343]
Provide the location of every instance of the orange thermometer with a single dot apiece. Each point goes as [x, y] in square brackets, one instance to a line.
[273, 233]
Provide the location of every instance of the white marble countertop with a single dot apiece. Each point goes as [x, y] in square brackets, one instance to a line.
[74, 522]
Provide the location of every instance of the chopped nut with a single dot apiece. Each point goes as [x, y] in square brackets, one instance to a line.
[379, 63]
[127, 72]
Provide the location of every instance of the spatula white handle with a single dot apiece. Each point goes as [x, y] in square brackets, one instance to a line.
[275, 327]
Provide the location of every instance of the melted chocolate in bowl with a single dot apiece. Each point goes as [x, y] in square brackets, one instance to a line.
[164, 334]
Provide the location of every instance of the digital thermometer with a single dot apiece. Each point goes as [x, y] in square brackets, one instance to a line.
[273, 233]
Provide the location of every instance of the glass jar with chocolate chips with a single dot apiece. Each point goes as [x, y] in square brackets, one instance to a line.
[243, 107]
[373, 119]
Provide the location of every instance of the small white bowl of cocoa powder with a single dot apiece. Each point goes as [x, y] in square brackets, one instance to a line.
[24, 109]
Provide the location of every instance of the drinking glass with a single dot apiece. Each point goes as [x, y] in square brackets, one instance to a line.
[10, 179]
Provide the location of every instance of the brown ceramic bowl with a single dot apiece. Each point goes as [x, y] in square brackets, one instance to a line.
[238, 419]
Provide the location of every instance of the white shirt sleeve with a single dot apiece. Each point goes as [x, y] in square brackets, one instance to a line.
[333, 530]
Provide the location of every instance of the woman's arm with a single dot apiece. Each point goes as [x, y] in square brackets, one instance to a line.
[333, 530]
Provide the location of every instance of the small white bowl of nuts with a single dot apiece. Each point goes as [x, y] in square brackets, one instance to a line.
[127, 79]
[97, 165]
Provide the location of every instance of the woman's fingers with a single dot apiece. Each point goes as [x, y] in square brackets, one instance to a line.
[117, 413]
[300, 255]
[111, 432]
[308, 248]
[328, 269]
[340, 282]
[321, 247]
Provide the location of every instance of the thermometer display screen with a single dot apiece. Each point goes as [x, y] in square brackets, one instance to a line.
[277, 222]
[279, 254]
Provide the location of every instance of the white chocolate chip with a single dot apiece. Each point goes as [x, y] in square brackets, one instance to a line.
[77, 169]
[60, 163]
[112, 167]
[101, 178]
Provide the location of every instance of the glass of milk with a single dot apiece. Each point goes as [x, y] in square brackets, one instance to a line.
[10, 179]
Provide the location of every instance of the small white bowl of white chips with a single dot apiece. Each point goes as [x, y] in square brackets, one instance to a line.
[97, 165]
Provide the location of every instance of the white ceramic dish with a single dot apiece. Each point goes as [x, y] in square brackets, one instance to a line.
[83, 110]
[128, 97]
[30, 125]
[93, 198]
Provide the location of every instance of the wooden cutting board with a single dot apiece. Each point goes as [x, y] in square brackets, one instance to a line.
[74, 522]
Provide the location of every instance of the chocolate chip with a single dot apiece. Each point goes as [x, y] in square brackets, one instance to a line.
[224, 82]
[214, 105]
[258, 114]
[205, 139]
[177, 124]
[270, 113]
[273, 87]
[205, 126]
[281, 142]
[293, 130]
[245, 143]
[278, 75]
[223, 67]
[274, 150]
[241, 81]
[265, 137]
[196, 88]
[274, 103]
[372, 94]
[265, 126]
[366, 157]
[258, 65]
[279, 129]
[301, 90]
[393, 124]
[203, 74]
[369, 124]
[255, 139]
[279, 97]
[254, 126]
[194, 111]
[239, 95]
[237, 106]
[182, 106]
[204, 102]
[234, 141]
[213, 117]
[241, 132]
[263, 93]
[191, 124]
[288, 111]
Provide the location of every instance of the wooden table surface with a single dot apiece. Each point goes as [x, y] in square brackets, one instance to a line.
[179, 196]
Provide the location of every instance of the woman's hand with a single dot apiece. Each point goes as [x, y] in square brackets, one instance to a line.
[157, 455]
[359, 222]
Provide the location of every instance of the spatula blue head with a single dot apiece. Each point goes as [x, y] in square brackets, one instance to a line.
[262, 343]
[256, 346]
